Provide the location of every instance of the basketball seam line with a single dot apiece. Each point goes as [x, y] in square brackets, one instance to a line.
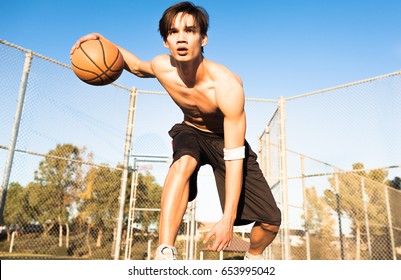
[108, 68]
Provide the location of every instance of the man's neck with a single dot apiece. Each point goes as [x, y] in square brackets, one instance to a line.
[190, 71]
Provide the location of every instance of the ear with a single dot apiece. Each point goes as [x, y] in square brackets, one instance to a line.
[165, 44]
[204, 40]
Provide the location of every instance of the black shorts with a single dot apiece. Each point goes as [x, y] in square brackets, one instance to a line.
[256, 203]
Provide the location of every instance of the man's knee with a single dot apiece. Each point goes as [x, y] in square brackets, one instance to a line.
[269, 227]
[185, 164]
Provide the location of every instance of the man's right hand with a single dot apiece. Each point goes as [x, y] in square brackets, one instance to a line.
[91, 36]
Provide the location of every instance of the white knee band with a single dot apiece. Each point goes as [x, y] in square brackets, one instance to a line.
[233, 154]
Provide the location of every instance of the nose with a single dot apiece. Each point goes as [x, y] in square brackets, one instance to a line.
[182, 38]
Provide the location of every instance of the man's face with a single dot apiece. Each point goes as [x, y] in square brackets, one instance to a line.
[184, 39]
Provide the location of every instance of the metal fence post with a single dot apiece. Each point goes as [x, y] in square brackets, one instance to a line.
[192, 230]
[338, 210]
[283, 176]
[15, 130]
[305, 208]
[131, 214]
[366, 214]
[124, 179]
[390, 222]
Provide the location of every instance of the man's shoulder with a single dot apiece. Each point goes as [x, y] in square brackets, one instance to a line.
[222, 72]
[161, 63]
[162, 59]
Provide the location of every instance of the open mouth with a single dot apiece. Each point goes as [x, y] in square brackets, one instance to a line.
[182, 51]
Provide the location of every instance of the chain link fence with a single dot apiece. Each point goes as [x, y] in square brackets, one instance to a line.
[81, 181]
[330, 212]
[62, 148]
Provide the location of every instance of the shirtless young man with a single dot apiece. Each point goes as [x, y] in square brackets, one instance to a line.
[211, 98]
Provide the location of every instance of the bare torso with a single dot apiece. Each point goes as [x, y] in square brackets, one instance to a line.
[198, 100]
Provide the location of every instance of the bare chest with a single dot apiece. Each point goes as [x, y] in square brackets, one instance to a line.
[197, 101]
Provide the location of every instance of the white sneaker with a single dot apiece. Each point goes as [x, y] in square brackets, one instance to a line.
[166, 252]
[249, 257]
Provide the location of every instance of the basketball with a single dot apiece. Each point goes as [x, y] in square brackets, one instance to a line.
[97, 62]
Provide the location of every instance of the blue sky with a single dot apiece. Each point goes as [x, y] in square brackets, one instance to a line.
[279, 48]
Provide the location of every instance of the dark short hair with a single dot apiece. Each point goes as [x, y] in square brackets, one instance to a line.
[200, 15]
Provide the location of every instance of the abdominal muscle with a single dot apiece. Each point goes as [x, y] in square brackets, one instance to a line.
[215, 125]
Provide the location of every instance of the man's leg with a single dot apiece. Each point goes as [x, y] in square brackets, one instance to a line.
[175, 198]
[262, 235]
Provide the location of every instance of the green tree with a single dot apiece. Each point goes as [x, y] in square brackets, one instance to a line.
[320, 224]
[55, 180]
[99, 201]
[14, 213]
[148, 196]
[361, 198]
[395, 183]
[39, 204]
[320, 221]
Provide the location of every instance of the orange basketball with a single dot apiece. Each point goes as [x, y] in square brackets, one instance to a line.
[97, 62]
